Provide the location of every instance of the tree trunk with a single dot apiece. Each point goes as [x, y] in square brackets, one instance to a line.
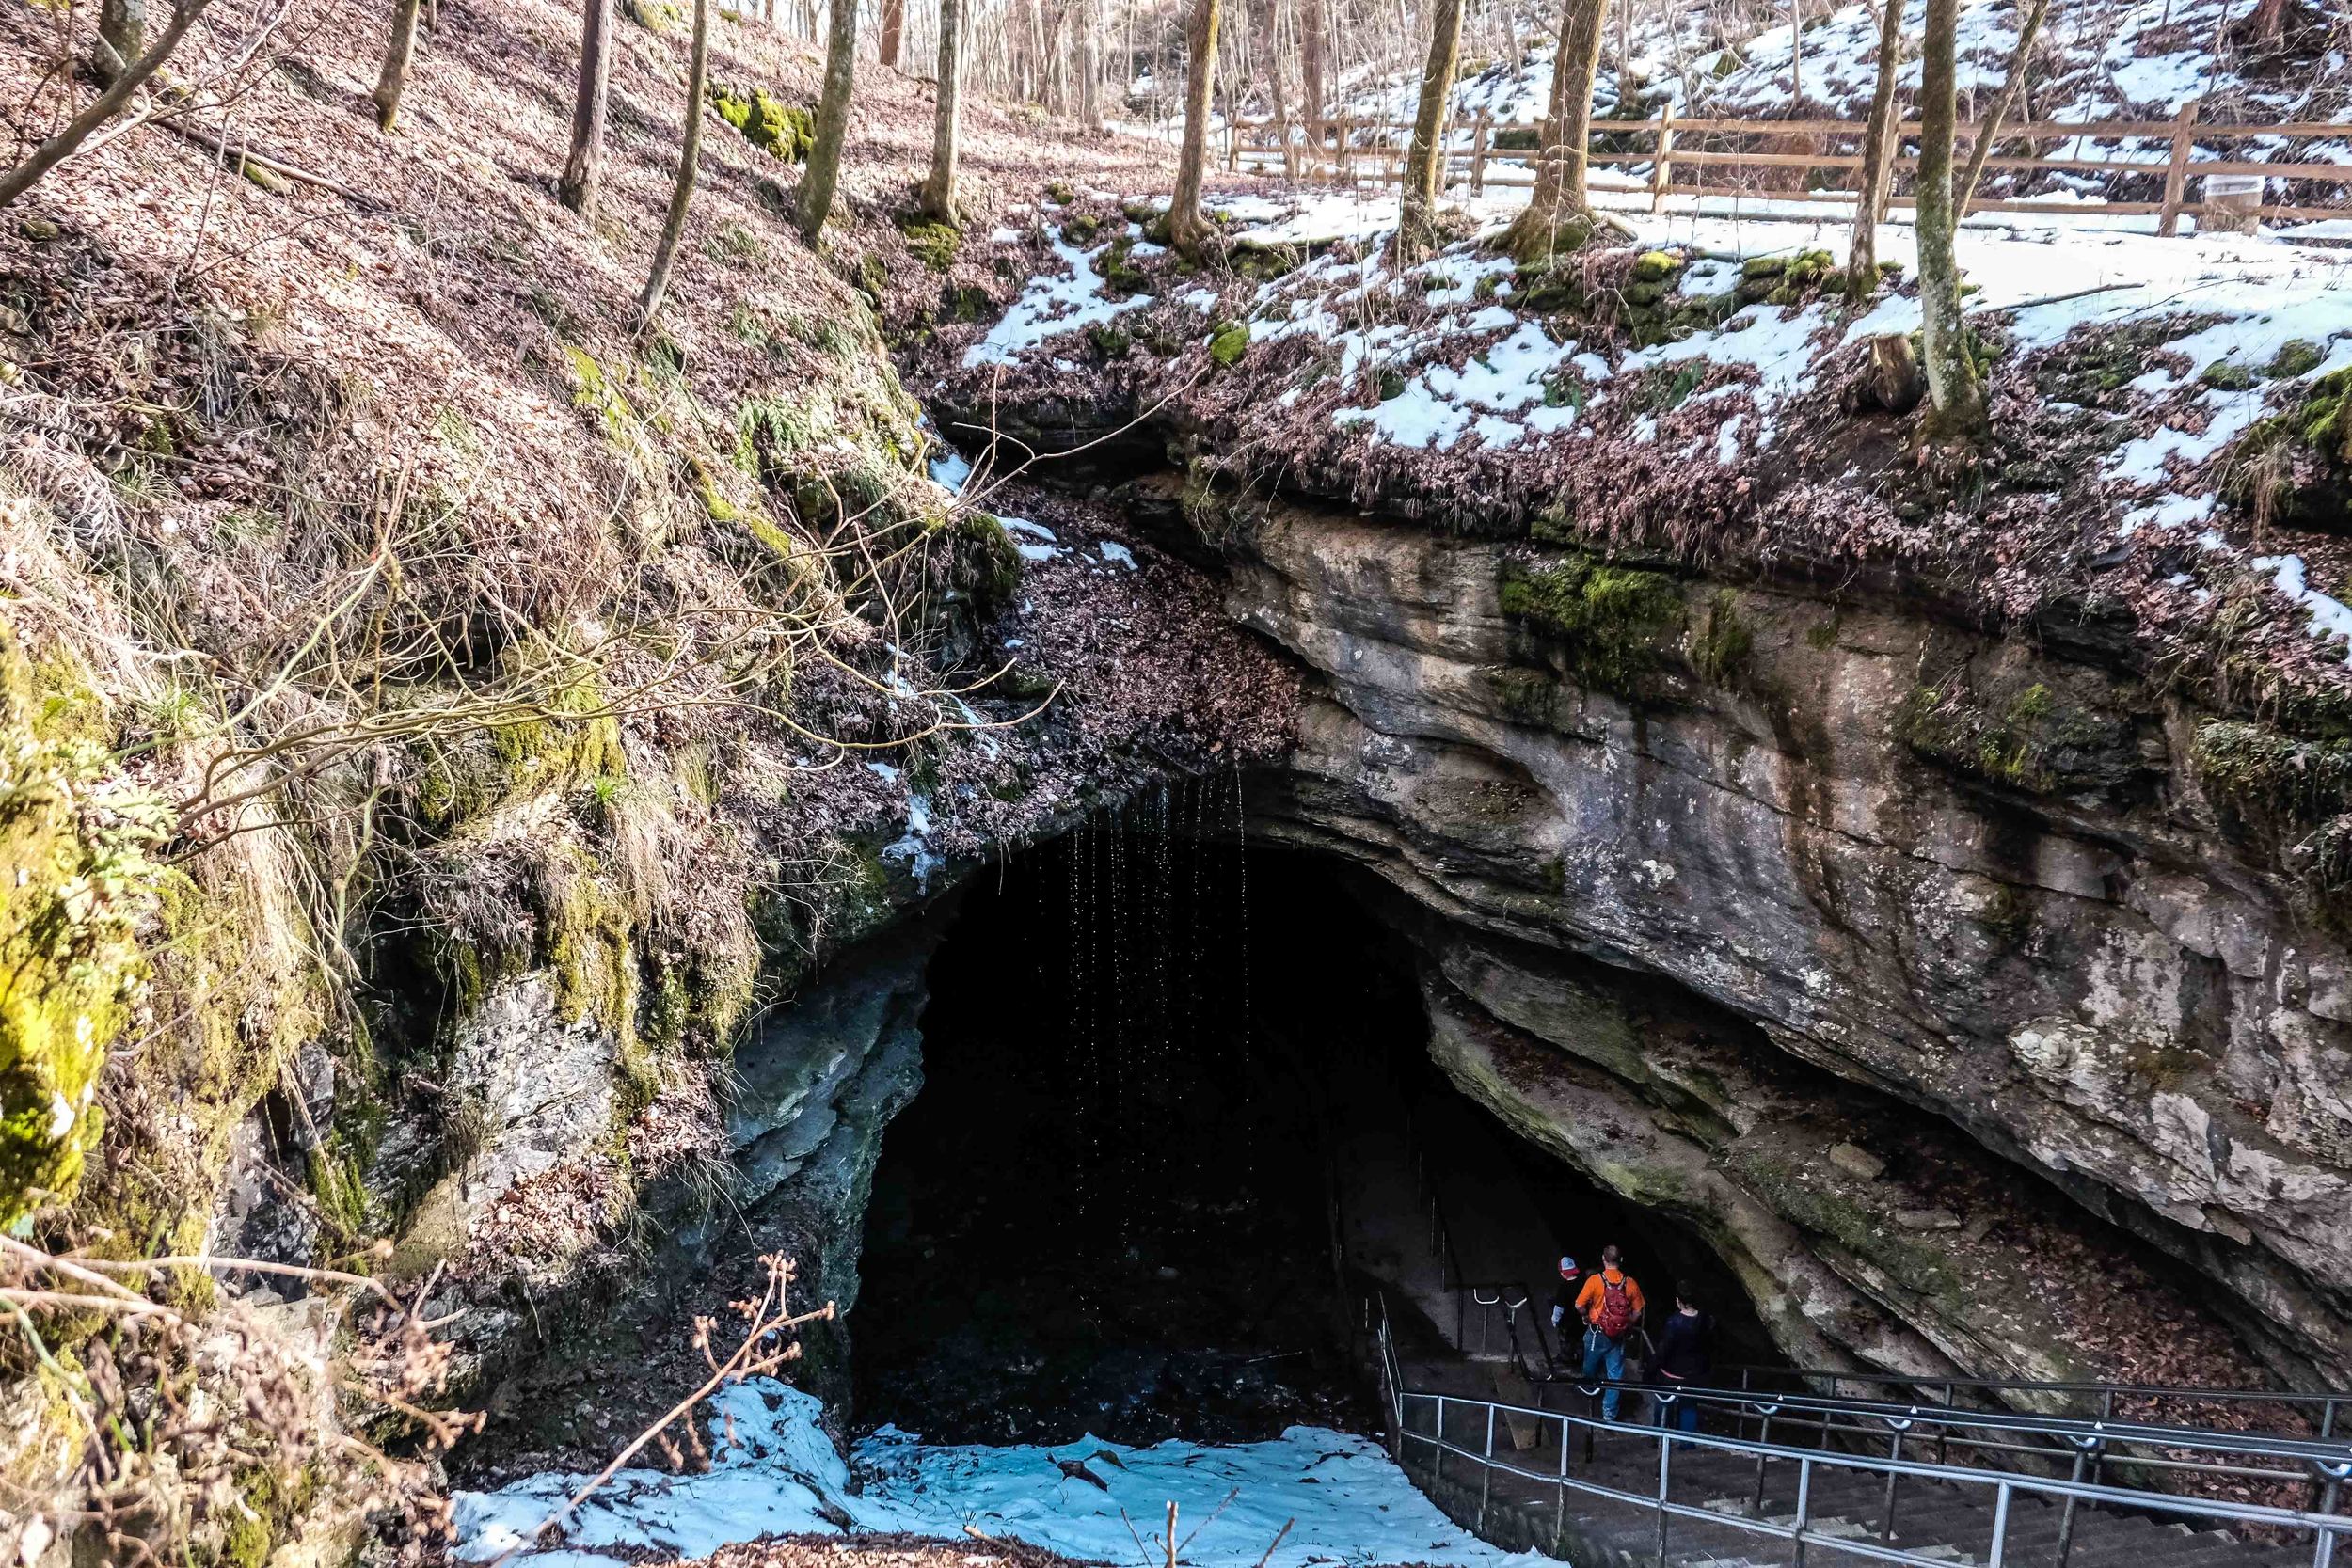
[690, 153]
[815, 201]
[397, 50]
[122, 37]
[938, 197]
[57, 149]
[1878, 147]
[1560, 166]
[1424, 166]
[1953, 388]
[583, 170]
[1187, 228]
[894, 26]
[1310, 26]
[2011, 85]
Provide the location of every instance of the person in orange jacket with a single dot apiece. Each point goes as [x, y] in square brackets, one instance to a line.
[1611, 1304]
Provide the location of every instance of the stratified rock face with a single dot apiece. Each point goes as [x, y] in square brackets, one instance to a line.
[1965, 875]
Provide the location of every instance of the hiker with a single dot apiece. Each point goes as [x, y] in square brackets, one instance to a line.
[1686, 1354]
[1564, 1299]
[1611, 1305]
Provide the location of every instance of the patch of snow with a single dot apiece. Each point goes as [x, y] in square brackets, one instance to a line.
[950, 469]
[2331, 618]
[774, 1473]
[1116, 554]
[1051, 307]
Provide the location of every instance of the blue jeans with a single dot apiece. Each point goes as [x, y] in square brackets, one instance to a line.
[1683, 1413]
[1604, 1355]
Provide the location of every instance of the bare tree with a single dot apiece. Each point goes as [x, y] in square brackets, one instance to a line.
[814, 203]
[583, 170]
[1879, 142]
[1424, 164]
[1953, 386]
[1312, 25]
[682, 193]
[2012, 86]
[894, 27]
[107, 104]
[1187, 228]
[397, 50]
[121, 37]
[1560, 167]
[938, 197]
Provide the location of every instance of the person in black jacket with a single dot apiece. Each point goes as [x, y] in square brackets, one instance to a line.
[1685, 1353]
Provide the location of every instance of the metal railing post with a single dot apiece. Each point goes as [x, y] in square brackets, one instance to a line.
[1665, 1462]
[1763, 1437]
[1486, 1469]
[1437, 1456]
[1559, 1492]
[2000, 1526]
[1804, 1505]
[1944, 1428]
[2323, 1549]
[1894, 1478]
[2066, 1515]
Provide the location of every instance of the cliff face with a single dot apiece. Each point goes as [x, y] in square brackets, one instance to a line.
[1987, 888]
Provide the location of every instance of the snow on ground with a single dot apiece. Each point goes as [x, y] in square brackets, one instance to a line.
[2098, 60]
[774, 1473]
[1051, 306]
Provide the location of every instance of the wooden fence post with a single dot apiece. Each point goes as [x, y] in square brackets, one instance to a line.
[2176, 173]
[1660, 173]
[1478, 156]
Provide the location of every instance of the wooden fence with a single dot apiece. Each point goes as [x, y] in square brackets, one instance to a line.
[1370, 151]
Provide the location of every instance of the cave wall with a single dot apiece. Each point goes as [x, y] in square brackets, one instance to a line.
[1974, 877]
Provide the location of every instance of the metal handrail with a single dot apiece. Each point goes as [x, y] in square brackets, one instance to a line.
[2111, 1432]
[2332, 1404]
[2326, 1523]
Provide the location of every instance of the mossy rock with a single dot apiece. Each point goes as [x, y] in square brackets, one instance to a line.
[965, 302]
[988, 567]
[1228, 343]
[2029, 739]
[1609, 621]
[74, 882]
[1655, 266]
[654, 16]
[1080, 228]
[1551, 288]
[1061, 191]
[935, 244]
[2296, 468]
[2295, 357]
[1721, 644]
[1121, 277]
[1517, 138]
[781, 129]
[1267, 263]
[2224, 376]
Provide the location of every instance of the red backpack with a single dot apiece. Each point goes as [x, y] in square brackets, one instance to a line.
[1616, 1318]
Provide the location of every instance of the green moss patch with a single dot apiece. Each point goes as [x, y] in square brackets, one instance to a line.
[74, 880]
[2028, 739]
[1609, 621]
[2296, 466]
[935, 244]
[781, 129]
[1228, 343]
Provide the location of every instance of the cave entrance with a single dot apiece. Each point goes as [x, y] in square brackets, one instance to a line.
[1179, 1124]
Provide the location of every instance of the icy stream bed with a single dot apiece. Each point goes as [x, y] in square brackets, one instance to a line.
[774, 1473]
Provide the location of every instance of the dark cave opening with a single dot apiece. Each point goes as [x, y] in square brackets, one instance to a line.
[1179, 1131]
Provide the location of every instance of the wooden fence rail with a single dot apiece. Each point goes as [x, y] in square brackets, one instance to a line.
[1369, 151]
